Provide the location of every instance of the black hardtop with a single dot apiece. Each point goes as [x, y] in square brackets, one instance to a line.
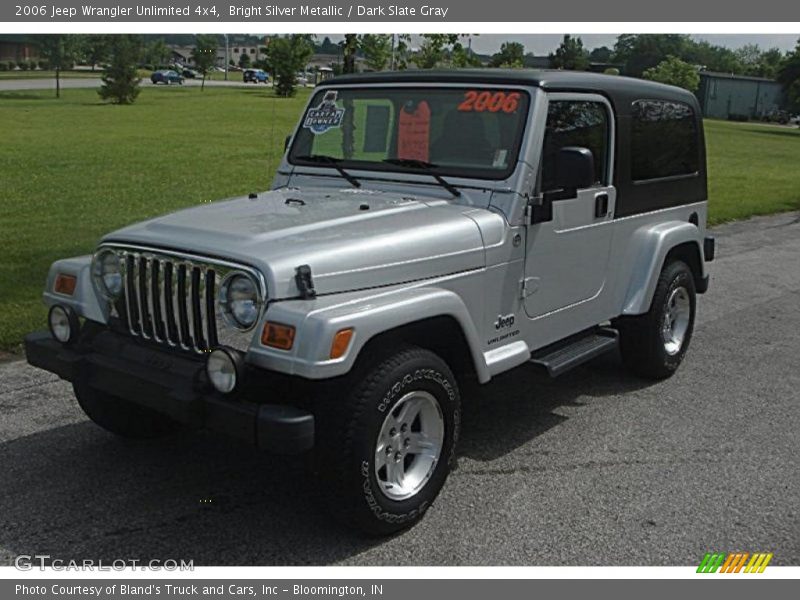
[621, 91]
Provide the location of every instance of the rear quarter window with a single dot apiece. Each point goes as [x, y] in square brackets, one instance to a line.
[664, 140]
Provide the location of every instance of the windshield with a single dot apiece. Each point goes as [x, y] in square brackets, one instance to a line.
[464, 132]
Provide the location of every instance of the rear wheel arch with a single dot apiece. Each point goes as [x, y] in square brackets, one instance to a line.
[691, 254]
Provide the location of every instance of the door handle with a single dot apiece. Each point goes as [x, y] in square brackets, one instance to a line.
[600, 205]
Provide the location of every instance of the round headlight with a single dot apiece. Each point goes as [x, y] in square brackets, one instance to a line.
[63, 323]
[240, 300]
[224, 369]
[107, 273]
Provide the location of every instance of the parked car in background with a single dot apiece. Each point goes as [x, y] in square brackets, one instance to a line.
[190, 74]
[777, 116]
[255, 76]
[166, 76]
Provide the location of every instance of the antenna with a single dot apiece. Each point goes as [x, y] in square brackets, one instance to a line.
[271, 149]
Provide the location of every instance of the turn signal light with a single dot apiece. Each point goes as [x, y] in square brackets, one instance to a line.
[341, 342]
[278, 336]
[65, 284]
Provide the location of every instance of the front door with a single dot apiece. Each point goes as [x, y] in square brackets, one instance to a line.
[567, 257]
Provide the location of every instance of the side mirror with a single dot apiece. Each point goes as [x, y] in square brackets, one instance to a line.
[286, 142]
[574, 168]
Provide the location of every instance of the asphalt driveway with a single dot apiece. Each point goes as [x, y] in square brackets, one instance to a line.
[596, 468]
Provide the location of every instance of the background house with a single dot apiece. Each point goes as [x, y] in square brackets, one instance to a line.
[724, 96]
[17, 48]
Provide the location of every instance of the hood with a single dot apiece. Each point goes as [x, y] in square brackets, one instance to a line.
[352, 239]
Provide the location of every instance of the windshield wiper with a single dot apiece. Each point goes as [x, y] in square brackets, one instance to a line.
[422, 165]
[324, 159]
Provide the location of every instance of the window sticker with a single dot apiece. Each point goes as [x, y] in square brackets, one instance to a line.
[414, 131]
[325, 116]
[499, 158]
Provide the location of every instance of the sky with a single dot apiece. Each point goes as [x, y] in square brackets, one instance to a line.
[542, 44]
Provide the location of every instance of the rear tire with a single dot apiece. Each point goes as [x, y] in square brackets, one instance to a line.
[121, 417]
[653, 344]
[384, 452]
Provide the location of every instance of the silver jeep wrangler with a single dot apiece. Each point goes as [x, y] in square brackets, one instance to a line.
[424, 230]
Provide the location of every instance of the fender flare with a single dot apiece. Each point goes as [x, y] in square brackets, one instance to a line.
[651, 245]
[85, 301]
[369, 315]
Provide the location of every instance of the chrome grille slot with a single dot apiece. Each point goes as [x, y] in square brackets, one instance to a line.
[197, 309]
[211, 317]
[180, 302]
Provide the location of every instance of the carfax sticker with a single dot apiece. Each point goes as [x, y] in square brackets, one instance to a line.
[325, 116]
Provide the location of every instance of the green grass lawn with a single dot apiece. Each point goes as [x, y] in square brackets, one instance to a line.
[48, 74]
[74, 169]
[752, 169]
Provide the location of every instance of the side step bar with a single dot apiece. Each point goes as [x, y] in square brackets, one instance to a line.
[567, 354]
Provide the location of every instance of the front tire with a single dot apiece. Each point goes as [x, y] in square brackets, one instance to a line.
[653, 344]
[121, 417]
[384, 453]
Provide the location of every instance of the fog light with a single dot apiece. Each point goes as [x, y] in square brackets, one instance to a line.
[224, 369]
[63, 323]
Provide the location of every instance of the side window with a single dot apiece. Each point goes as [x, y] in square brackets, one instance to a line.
[663, 140]
[575, 123]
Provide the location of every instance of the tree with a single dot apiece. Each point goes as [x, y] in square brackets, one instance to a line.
[402, 52]
[96, 49]
[157, 53]
[433, 49]
[789, 77]
[462, 57]
[709, 57]
[770, 63]
[511, 55]
[204, 55]
[640, 52]
[244, 59]
[120, 79]
[286, 56]
[60, 51]
[674, 71]
[377, 50]
[570, 55]
[349, 50]
[600, 55]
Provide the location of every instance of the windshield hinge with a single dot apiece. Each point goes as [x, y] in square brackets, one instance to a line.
[533, 202]
[528, 286]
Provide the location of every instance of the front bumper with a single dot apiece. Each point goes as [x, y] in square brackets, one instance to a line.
[174, 385]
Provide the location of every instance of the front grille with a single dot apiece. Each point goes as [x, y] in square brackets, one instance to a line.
[169, 300]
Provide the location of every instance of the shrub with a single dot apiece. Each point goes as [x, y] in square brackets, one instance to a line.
[120, 78]
[32, 65]
[44, 65]
[3, 66]
[23, 66]
[11, 65]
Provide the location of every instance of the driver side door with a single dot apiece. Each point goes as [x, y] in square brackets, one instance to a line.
[567, 256]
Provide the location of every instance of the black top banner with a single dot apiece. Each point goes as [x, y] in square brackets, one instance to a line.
[474, 11]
